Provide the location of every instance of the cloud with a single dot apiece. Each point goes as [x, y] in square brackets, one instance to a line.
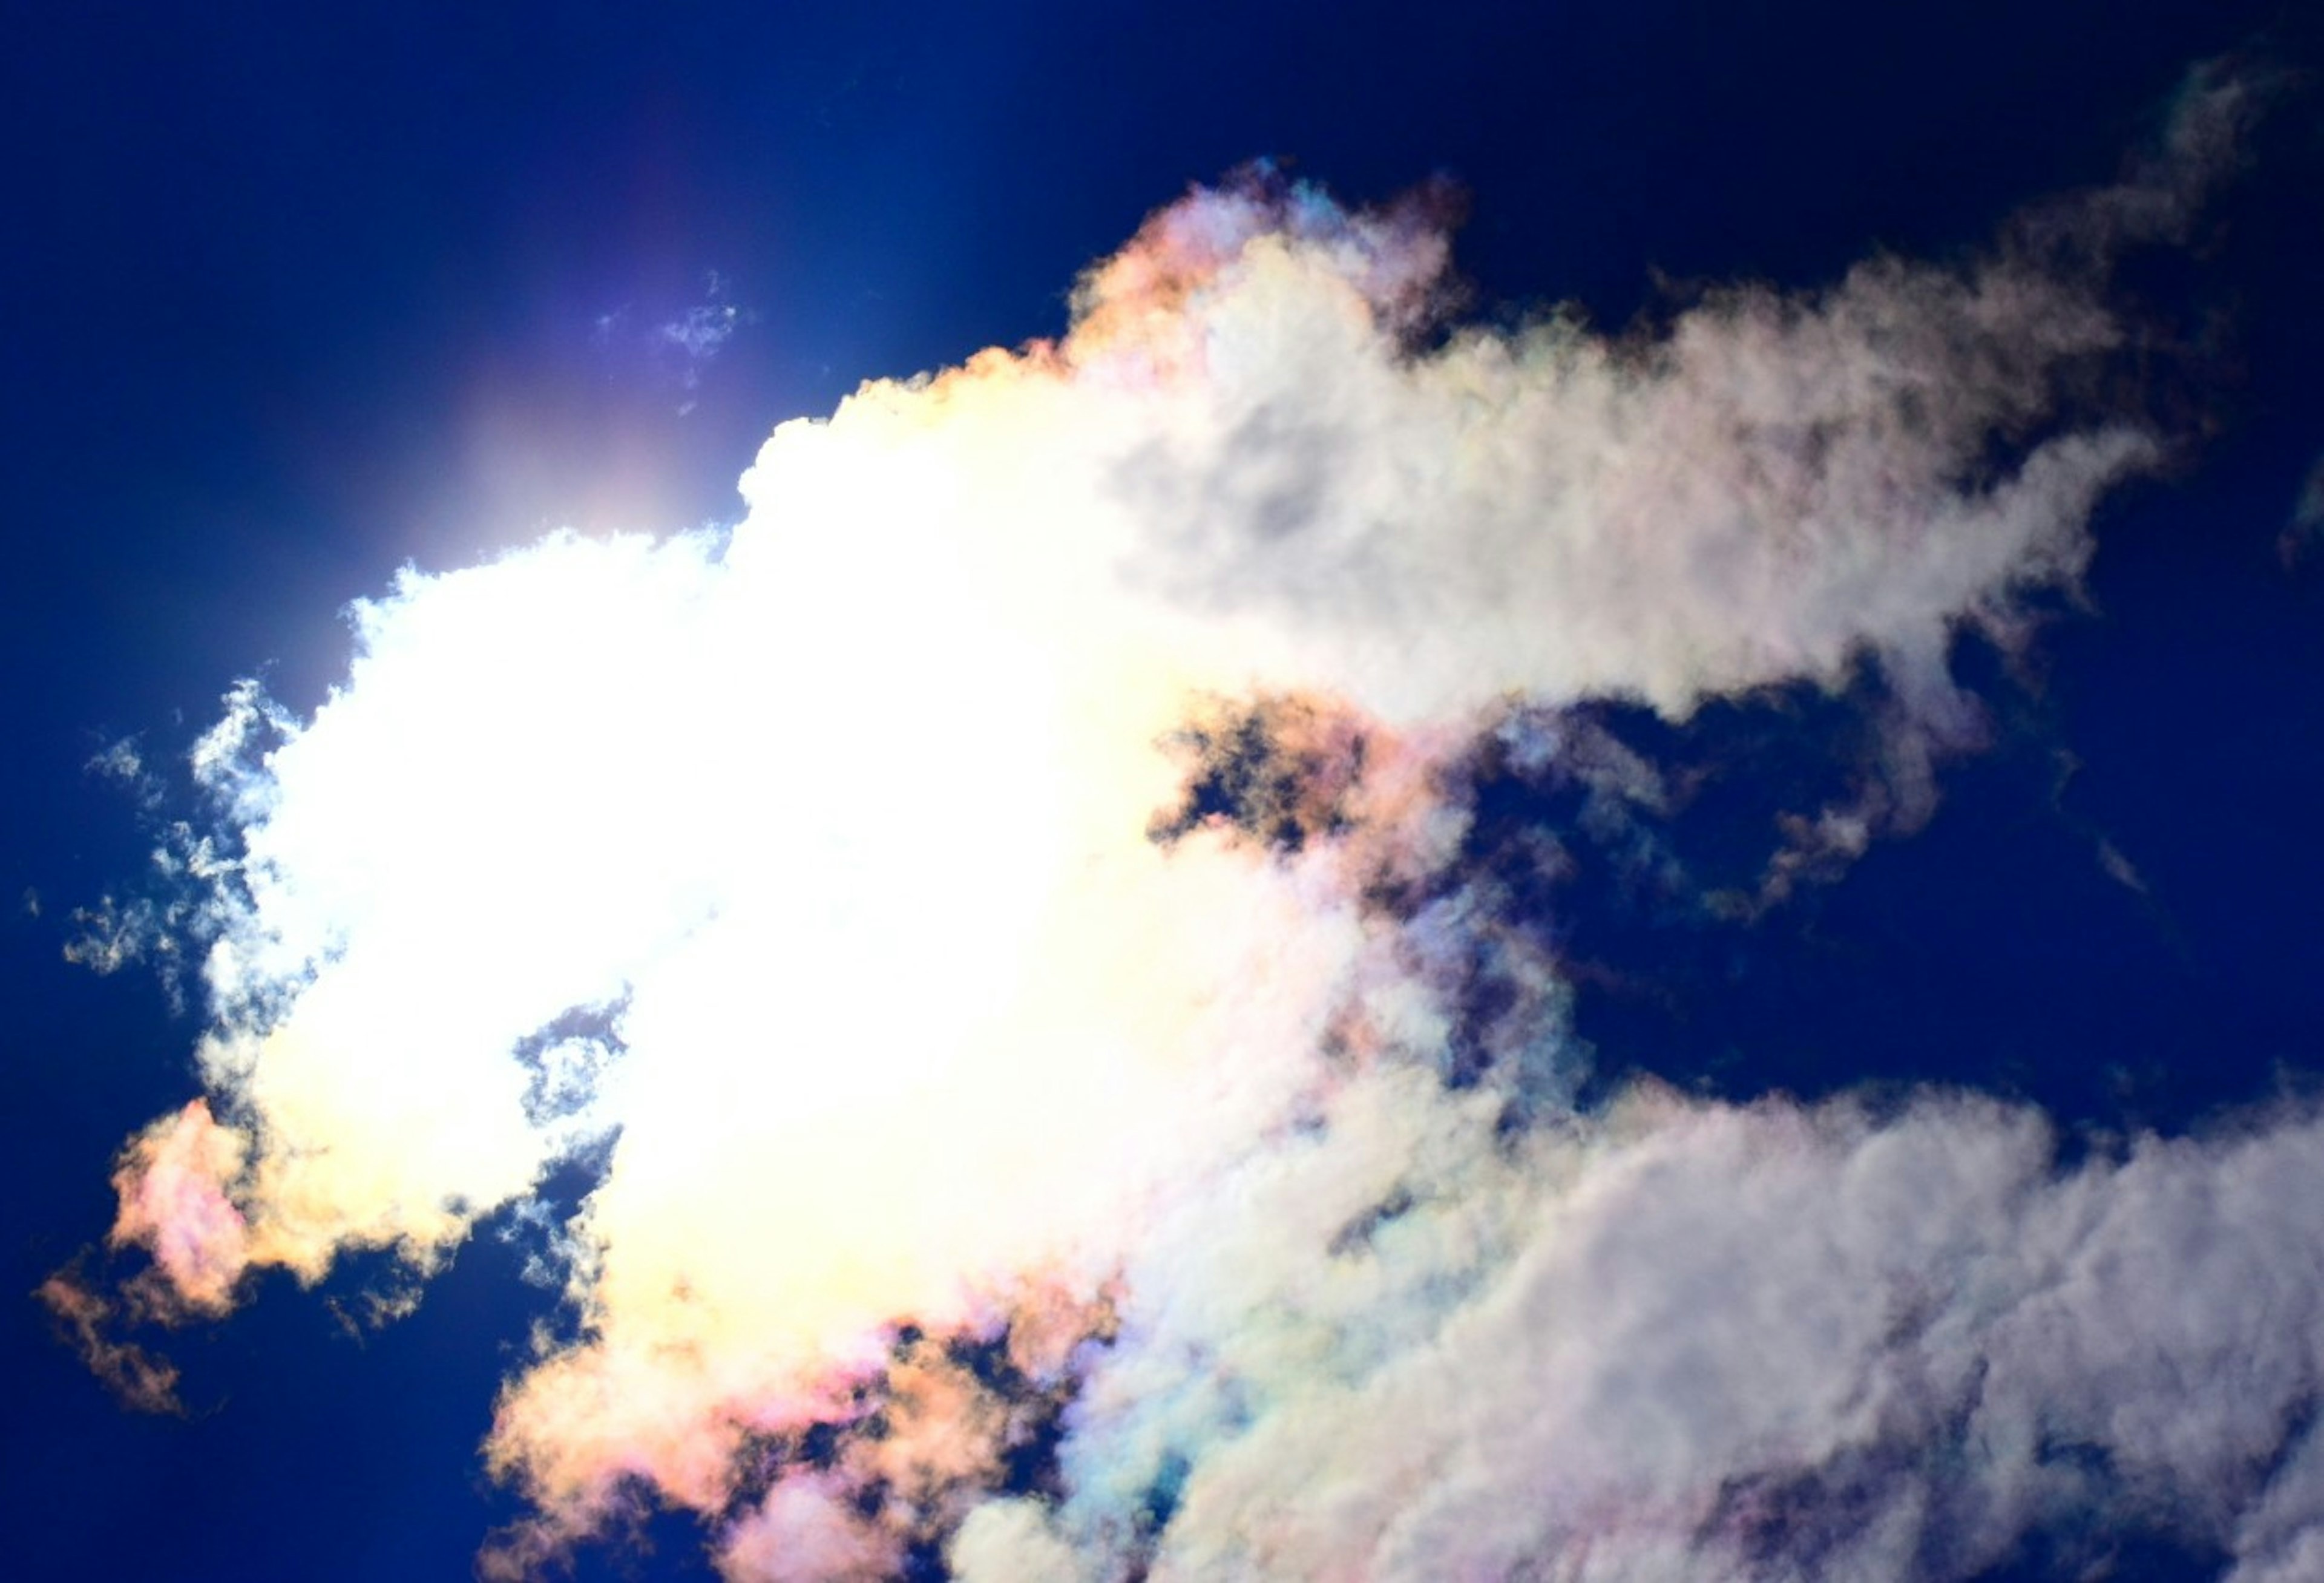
[697, 335]
[702, 331]
[1698, 1340]
[173, 1184]
[136, 1377]
[993, 912]
[122, 762]
[807, 1530]
[679, 345]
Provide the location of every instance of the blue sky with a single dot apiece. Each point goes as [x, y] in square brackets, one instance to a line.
[292, 304]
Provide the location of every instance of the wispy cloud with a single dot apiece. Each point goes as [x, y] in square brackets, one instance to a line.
[679, 345]
[698, 335]
[87, 1320]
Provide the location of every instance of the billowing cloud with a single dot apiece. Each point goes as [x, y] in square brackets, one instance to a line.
[993, 912]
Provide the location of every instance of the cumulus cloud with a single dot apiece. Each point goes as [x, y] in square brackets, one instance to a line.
[993, 912]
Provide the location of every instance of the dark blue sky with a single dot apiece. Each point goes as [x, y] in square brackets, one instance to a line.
[292, 297]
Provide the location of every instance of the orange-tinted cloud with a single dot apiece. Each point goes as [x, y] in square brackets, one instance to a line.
[137, 1377]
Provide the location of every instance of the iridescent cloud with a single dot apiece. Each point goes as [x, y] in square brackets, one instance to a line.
[984, 907]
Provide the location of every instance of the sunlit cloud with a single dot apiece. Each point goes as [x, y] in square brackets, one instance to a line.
[990, 912]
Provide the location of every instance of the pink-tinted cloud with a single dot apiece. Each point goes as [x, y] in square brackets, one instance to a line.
[172, 1184]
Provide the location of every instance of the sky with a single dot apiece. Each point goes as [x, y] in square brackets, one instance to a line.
[1065, 793]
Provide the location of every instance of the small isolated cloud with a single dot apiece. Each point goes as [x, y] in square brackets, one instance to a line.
[699, 332]
[675, 346]
[698, 335]
[124, 764]
[994, 918]
[88, 1321]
